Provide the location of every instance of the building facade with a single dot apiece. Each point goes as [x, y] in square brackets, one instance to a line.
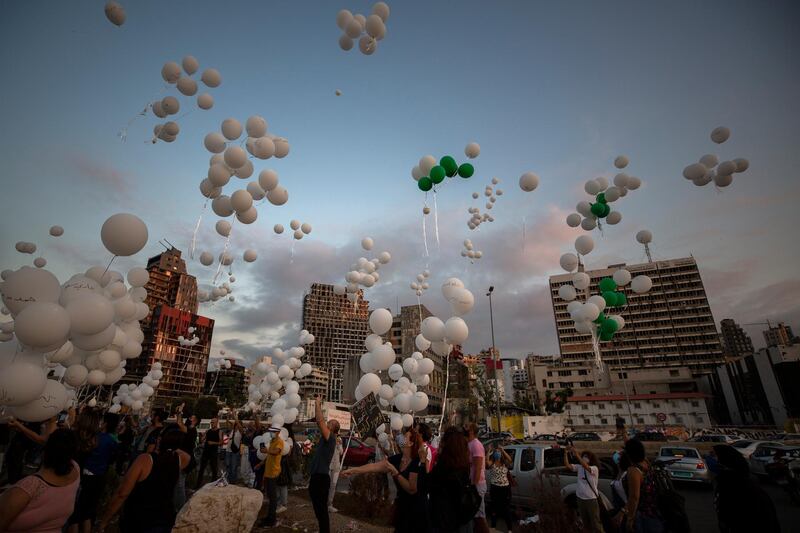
[228, 384]
[735, 342]
[172, 299]
[671, 326]
[780, 335]
[600, 412]
[339, 327]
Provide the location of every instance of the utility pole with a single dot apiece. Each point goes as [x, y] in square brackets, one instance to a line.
[494, 359]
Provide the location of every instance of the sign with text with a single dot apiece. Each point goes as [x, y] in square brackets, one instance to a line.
[367, 415]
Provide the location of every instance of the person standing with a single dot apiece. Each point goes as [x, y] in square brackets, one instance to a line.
[27, 436]
[336, 468]
[44, 501]
[447, 481]
[233, 454]
[477, 475]
[272, 469]
[588, 474]
[146, 492]
[641, 511]
[188, 443]
[320, 482]
[498, 463]
[289, 464]
[210, 452]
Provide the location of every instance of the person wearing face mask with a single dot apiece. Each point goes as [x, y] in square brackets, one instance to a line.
[406, 468]
[588, 475]
[498, 462]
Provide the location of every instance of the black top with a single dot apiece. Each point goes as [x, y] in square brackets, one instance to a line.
[321, 463]
[189, 440]
[149, 503]
[445, 488]
[742, 505]
[410, 509]
[212, 434]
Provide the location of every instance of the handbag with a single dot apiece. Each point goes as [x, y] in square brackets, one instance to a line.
[469, 502]
[606, 517]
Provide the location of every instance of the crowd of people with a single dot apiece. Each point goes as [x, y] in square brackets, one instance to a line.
[95, 469]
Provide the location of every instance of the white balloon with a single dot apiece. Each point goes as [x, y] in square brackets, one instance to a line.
[190, 65]
[90, 313]
[278, 228]
[170, 105]
[694, 171]
[396, 422]
[115, 13]
[621, 161]
[592, 187]
[456, 330]
[598, 301]
[21, 382]
[219, 175]
[353, 29]
[566, 292]
[419, 401]
[472, 150]
[612, 194]
[622, 277]
[346, 43]
[305, 228]
[614, 217]
[433, 329]
[426, 163]
[421, 342]
[569, 262]
[369, 383]
[187, 86]
[241, 201]
[633, 184]
[223, 227]
[171, 71]
[206, 258]
[589, 312]
[343, 18]
[402, 402]
[621, 180]
[709, 160]
[408, 420]
[367, 45]
[528, 181]
[124, 234]
[584, 244]
[245, 171]
[250, 255]
[581, 280]
[46, 404]
[367, 243]
[380, 321]
[256, 126]
[281, 147]
[264, 148]
[584, 326]
[211, 77]
[720, 134]
[235, 157]
[375, 27]
[741, 163]
[61, 354]
[255, 190]
[641, 284]
[589, 223]
[278, 196]
[602, 183]
[28, 285]
[205, 101]
[644, 237]
[573, 220]
[382, 10]
[450, 286]
[726, 168]
[372, 342]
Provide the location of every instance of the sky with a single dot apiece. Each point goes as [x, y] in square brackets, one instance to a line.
[556, 88]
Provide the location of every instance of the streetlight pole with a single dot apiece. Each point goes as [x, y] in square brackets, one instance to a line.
[494, 358]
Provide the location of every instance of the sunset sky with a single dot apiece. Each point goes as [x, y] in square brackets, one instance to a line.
[557, 88]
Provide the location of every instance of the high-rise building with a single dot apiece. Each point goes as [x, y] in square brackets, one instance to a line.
[339, 327]
[313, 384]
[670, 326]
[172, 299]
[735, 342]
[780, 335]
[228, 384]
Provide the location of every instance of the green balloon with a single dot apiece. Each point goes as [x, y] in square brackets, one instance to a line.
[607, 284]
[597, 209]
[606, 210]
[425, 184]
[621, 299]
[466, 170]
[600, 318]
[609, 326]
[449, 165]
[611, 298]
[606, 336]
[602, 198]
[437, 174]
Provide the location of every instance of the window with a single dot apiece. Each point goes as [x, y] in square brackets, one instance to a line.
[656, 404]
[618, 405]
[550, 386]
[622, 375]
[528, 460]
[587, 421]
[674, 373]
[640, 420]
[584, 407]
[569, 421]
[553, 458]
[583, 372]
[601, 406]
[678, 419]
[549, 373]
[695, 404]
[565, 372]
[699, 419]
[604, 420]
[637, 405]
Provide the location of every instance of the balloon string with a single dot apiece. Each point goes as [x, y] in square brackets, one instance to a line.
[224, 252]
[425, 235]
[523, 236]
[446, 383]
[196, 229]
[123, 133]
[291, 253]
[109, 266]
[436, 219]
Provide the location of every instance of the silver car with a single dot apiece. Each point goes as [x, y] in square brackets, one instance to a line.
[684, 464]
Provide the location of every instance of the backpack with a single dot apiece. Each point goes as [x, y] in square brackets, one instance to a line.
[671, 504]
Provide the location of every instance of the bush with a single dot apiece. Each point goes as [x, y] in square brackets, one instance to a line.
[372, 493]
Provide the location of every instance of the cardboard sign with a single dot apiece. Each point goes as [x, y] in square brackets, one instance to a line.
[367, 415]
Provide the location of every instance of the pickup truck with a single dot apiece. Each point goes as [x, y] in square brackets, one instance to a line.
[531, 460]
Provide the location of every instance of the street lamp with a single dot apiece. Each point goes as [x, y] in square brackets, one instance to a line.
[494, 358]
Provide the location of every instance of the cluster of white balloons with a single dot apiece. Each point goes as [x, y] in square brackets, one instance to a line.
[217, 293]
[183, 341]
[219, 363]
[300, 228]
[709, 168]
[89, 326]
[368, 30]
[181, 77]
[583, 245]
[586, 217]
[491, 193]
[363, 272]
[470, 252]
[421, 284]
[277, 383]
[134, 395]
[115, 13]
[266, 438]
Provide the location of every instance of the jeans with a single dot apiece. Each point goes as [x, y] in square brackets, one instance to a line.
[233, 461]
[283, 495]
[589, 511]
[271, 485]
[209, 458]
[179, 496]
[648, 524]
[332, 491]
[318, 488]
[500, 505]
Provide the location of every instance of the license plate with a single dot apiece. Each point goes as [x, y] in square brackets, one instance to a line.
[681, 474]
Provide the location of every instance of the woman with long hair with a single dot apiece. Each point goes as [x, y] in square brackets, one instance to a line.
[43, 502]
[447, 481]
[146, 492]
[406, 468]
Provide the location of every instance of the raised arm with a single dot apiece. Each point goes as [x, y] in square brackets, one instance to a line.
[31, 435]
[634, 489]
[323, 426]
[370, 468]
[408, 485]
[124, 489]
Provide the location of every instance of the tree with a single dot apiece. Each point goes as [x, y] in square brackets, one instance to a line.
[206, 407]
[554, 403]
[486, 389]
[188, 405]
[523, 401]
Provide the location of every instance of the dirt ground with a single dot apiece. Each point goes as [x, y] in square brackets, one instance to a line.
[300, 516]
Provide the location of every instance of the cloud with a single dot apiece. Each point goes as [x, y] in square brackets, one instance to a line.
[103, 178]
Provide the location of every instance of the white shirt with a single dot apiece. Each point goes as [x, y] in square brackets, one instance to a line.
[585, 491]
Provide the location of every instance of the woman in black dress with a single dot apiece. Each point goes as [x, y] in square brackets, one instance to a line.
[407, 469]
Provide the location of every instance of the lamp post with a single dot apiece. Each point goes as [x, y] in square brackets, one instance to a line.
[494, 359]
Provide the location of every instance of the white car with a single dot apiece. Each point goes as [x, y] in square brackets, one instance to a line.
[746, 447]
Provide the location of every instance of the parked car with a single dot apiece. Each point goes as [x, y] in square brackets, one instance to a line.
[724, 439]
[650, 436]
[764, 455]
[784, 437]
[357, 453]
[684, 463]
[584, 436]
[529, 461]
[545, 437]
[746, 447]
